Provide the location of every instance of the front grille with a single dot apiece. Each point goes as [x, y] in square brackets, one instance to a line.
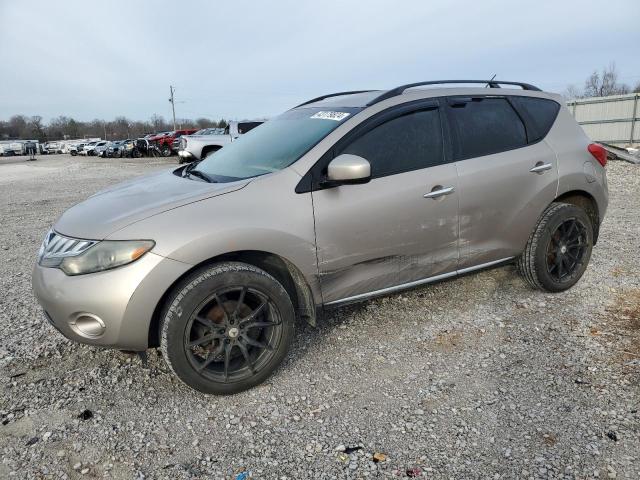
[59, 246]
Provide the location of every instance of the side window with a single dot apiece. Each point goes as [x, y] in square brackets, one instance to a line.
[409, 142]
[539, 114]
[484, 125]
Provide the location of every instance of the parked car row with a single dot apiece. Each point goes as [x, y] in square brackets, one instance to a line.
[189, 144]
[10, 148]
[103, 148]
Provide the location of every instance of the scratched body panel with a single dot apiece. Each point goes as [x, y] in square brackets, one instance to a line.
[385, 233]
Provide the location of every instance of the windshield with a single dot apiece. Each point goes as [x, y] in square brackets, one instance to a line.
[275, 144]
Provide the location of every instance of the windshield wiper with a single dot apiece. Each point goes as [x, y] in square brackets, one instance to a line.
[189, 170]
[202, 175]
[190, 167]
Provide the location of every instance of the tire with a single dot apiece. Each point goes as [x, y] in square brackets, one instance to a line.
[165, 151]
[558, 251]
[213, 336]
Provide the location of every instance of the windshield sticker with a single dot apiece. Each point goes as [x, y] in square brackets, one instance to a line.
[337, 116]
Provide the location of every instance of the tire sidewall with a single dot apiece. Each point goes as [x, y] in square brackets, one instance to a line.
[557, 218]
[189, 296]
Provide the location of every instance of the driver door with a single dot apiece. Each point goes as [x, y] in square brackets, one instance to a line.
[399, 229]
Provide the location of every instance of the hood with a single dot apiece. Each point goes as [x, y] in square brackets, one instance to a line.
[114, 208]
[157, 137]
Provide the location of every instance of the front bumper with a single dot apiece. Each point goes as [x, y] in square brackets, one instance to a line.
[123, 299]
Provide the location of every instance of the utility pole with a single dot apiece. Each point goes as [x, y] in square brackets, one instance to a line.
[173, 105]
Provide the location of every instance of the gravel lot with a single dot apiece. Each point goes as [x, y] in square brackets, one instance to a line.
[478, 377]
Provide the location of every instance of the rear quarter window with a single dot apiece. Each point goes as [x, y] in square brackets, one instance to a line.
[484, 126]
[539, 114]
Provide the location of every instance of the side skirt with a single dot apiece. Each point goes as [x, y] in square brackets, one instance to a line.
[405, 286]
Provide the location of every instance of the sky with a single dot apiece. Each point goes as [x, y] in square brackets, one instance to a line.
[252, 59]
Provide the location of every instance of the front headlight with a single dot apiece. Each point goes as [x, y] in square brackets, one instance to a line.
[106, 255]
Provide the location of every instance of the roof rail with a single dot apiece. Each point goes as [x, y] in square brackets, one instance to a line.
[489, 83]
[317, 99]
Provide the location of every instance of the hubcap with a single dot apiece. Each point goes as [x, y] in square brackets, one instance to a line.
[233, 334]
[566, 250]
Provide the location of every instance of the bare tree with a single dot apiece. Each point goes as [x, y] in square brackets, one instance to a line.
[205, 123]
[605, 83]
[636, 89]
[572, 92]
[158, 123]
[36, 128]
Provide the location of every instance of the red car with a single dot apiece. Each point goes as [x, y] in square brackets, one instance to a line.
[165, 140]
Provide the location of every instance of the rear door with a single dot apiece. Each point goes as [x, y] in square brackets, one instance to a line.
[507, 175]
[386, 234]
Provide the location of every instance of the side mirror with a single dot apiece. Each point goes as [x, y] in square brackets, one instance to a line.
[348, 169]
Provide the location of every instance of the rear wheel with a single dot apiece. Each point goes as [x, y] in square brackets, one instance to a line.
[226, 328]
[558, 251]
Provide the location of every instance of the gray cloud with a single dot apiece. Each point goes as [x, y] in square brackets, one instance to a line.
[90, 59]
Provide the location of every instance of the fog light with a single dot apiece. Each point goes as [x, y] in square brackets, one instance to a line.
[88, 325]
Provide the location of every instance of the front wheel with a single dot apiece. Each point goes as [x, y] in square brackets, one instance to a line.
[165, 151]
[226, 328]
[558, 251]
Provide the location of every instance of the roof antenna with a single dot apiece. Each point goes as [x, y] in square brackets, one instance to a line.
[487, 85]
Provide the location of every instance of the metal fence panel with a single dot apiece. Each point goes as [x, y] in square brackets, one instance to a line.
[613, 119]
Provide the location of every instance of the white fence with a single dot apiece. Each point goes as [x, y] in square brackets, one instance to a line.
[614, 119]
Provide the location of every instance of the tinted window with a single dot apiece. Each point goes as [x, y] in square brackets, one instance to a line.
[409, 142]
[483, 126]
[539, 114]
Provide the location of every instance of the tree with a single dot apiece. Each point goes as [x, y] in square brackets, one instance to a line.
[17, 126]
[158, 123]
[204, 123]
[36, 129]
[604, 83]
[572, 92]
[636, 89]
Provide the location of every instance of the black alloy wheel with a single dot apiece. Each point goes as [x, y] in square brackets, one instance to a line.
[559, 248]
[233, 335]
[226, 327]
[566, 249]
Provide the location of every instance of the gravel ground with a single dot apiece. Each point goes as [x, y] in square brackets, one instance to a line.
[478, 377]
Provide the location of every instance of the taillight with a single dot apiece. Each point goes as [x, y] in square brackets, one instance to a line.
[598, 152]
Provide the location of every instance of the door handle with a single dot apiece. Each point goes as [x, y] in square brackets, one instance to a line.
[439, 191]
[541, 167]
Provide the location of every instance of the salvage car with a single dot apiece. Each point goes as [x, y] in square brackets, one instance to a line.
[198, 147]
[88, 148]
[114, 149]
[175, 145]
[343, 198]
[164, 141]
[100, 149]
[75, 148]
